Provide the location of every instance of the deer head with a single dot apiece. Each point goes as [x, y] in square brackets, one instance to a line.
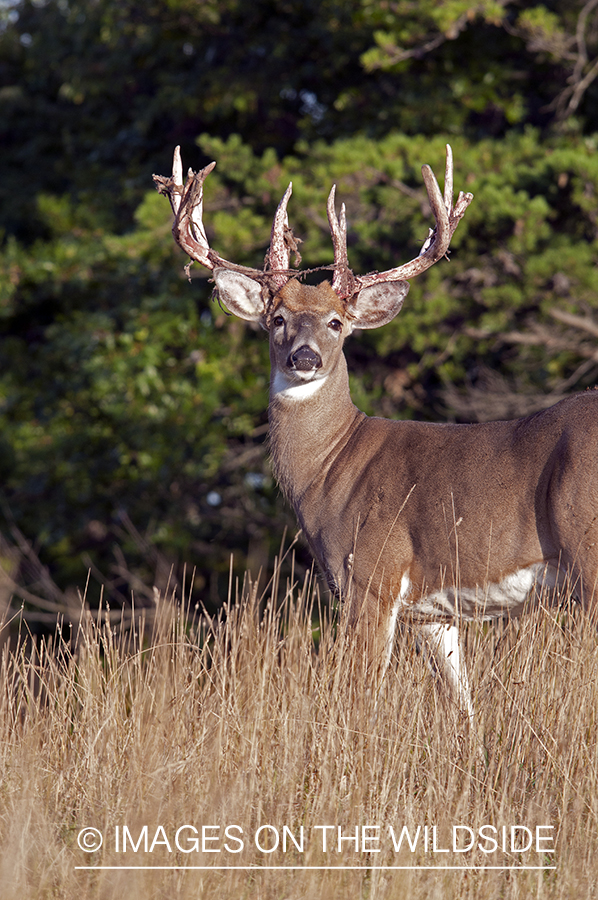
[366, 301]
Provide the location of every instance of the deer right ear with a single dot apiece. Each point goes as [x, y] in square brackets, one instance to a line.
[378, 304]
[240, 294]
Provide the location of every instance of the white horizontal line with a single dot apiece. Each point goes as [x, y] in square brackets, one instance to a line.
[324, 868]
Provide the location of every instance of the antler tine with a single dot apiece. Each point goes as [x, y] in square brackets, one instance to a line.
[279, 254]
[187, 205]
[448, 180]
[342, 280]
[197, 204]
[338, 229]
[447, 218]
[177, 179]
[189, 232]
[188, 228]
[437, 244]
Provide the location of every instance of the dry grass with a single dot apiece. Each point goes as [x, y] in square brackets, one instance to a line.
[254, 720]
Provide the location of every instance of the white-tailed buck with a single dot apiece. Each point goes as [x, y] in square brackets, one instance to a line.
[435, 522]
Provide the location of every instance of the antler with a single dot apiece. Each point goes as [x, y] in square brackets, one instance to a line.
[435, 247]
[189, 232]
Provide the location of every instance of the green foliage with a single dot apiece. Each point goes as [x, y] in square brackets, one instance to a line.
[520, 64]
[95, 93]
[126, 396]
[132, 409]
[118, 400]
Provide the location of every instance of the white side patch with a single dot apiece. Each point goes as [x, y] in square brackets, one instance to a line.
[293, 390]
[491, 600]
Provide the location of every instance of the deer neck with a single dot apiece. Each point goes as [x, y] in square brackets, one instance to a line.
[309, 425]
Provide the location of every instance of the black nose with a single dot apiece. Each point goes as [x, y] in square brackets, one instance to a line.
[305, 359]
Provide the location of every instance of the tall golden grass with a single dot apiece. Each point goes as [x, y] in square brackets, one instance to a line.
[256, 720]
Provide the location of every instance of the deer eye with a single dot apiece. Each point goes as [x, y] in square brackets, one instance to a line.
[335, 324]
[277, 321]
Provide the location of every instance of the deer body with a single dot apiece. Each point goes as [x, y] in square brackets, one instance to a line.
[461, 521]
[436, 523]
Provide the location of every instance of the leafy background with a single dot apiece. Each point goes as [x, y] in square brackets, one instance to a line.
[132, 409]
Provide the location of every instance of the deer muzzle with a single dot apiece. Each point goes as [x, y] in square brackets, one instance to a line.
[304, 359]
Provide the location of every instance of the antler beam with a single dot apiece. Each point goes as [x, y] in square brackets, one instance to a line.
[447, 218]
[186, 200]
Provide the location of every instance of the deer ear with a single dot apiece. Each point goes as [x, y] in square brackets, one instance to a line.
[378, 304]
[240, 294]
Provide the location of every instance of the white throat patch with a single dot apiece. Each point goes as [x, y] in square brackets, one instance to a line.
[293, 390]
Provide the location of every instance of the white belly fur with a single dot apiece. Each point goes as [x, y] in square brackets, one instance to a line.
[489, 601]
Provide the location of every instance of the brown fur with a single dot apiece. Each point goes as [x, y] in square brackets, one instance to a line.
[452, 508]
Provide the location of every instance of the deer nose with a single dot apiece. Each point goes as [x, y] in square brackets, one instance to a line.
[305, 359]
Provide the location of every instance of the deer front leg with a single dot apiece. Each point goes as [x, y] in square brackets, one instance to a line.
[374, 623]
[442, 646]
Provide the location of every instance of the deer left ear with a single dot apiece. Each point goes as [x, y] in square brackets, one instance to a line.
[378, 304]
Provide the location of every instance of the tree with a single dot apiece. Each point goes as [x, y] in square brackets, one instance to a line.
[554, 83]
[132, 409]
[94, 93]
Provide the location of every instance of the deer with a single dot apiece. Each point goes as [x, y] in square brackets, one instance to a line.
[430, 523]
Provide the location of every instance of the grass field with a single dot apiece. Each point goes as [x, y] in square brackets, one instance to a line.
[246, 742]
